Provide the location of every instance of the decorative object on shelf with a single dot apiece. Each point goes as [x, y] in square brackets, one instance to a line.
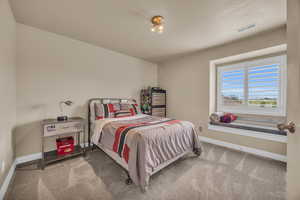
[222, 117]
[64, 117]
[228, 118]
[146, 101]
[291, 127]
[64, 145]
[215, 117]
[157, 24]
[153, 101]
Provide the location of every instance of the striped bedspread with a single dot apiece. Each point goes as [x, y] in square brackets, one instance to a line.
[146, 142]
[120, 145]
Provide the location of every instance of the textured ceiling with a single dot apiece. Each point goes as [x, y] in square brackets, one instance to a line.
[124, 26]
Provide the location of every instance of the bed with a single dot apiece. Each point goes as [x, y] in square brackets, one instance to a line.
[141, 144]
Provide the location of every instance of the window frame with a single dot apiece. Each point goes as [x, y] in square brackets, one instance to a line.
[245, 108]
[250, 57]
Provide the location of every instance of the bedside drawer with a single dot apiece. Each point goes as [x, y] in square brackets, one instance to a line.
[158, 94]
[61, 128]
[159, 112]
[158, 101]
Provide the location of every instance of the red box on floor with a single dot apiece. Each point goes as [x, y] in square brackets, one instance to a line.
[65, 145]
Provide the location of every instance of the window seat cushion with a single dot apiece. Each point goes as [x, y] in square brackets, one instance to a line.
[269, 130]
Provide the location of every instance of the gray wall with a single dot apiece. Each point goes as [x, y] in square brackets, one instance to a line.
[187, 81]
[7, 87]
[52, 68]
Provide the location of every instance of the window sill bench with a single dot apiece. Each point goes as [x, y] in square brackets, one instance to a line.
[249, 133]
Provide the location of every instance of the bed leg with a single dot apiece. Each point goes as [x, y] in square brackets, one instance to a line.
[144, 189]
[128, 180]
[198, 151]
[93, 147]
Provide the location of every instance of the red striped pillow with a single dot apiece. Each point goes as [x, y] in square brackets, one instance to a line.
[123, 113]
[106, 110]
[134, 108]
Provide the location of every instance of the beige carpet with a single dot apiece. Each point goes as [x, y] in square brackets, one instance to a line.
[219, 173]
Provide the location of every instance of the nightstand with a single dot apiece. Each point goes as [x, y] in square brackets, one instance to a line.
[54, 128]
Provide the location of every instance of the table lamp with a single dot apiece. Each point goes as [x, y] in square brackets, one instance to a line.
[63, 117]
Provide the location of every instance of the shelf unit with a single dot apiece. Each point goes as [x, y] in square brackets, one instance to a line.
[153, 101]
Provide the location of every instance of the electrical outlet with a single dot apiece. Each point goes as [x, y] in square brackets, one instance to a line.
[200, 128]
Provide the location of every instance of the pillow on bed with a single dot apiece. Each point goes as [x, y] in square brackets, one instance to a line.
[106, 110]
[123, 113]
[134, 108]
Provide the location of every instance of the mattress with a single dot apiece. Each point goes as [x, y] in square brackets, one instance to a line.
[144, 144]
[114, 156]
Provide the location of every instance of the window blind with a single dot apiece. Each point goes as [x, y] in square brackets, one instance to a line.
[232, 87]
[264, 85]
[253, 87]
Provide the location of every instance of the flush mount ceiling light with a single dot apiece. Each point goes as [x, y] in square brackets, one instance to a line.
[157, 24]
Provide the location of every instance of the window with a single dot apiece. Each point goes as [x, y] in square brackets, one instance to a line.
[255, 87]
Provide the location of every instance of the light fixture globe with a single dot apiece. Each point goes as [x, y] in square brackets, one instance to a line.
[157, 24]
[157, 20]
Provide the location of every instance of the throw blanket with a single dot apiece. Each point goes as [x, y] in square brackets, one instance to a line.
[146, 142]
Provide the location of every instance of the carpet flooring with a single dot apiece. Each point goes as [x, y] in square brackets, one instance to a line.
[218, 174]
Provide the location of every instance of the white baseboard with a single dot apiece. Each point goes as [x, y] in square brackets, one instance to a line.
[35, 156]
[19, 160]
[250, 150]
[7, 180]
[28, 158]
[85, 144]
[9, 176]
